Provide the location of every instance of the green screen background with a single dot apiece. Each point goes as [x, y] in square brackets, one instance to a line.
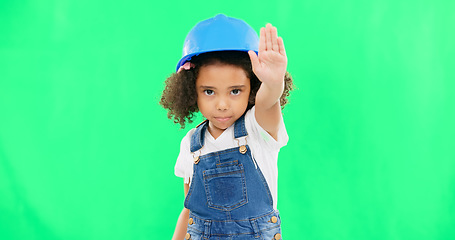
[86, 152]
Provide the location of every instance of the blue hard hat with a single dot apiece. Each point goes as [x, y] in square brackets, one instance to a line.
[220, 33]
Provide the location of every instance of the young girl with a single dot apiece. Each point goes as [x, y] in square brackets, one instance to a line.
[229, 162]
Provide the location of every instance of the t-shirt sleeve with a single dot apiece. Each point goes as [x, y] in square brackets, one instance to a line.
[184, 165]
[262, 136]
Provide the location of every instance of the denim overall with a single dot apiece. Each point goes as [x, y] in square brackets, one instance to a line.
[229, 197]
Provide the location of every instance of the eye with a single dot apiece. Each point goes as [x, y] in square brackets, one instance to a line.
[236, 92]
[209, 92]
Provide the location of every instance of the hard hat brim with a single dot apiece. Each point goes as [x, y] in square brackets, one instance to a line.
[190, 56]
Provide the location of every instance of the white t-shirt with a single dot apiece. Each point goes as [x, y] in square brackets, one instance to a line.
[264, 149]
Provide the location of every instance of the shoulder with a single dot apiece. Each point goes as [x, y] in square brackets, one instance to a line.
[186, 141]
[256, 132]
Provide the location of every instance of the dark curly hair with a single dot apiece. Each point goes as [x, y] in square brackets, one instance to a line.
[179, 95]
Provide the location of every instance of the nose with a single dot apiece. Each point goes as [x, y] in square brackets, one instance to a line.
[222, 104]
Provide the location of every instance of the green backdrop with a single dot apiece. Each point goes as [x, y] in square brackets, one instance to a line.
[87, 153]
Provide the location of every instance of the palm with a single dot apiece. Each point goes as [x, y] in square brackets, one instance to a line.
[270, 63]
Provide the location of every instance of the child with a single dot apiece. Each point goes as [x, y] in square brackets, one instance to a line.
[229, 161]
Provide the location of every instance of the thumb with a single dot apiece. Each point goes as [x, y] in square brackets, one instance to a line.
[254, 60]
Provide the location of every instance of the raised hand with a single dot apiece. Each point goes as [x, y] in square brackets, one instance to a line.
[271, 62]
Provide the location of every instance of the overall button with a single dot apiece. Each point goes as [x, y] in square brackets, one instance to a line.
[190, 221]
[242, 149]
[277, 236]
[274, 219]
[187, 236]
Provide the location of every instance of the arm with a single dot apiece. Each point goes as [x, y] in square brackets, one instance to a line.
[270, 67]
[180, 229]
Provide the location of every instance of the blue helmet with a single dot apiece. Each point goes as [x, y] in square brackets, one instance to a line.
[220, 33]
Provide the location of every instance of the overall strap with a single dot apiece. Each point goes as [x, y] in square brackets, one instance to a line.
[239, 127]
[197, 139]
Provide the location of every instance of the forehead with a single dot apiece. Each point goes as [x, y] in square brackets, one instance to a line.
[221, 75]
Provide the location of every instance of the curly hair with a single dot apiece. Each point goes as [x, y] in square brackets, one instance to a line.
[179, 95]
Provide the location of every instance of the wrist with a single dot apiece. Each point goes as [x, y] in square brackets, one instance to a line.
[274, 86]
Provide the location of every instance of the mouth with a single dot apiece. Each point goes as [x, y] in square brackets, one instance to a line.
[223, 119]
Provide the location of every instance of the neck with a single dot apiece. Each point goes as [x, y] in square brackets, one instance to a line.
[214, 131]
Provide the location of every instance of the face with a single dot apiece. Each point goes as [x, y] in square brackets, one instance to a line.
[222, 95]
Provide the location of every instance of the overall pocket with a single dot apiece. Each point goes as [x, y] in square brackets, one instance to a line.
[225, 187]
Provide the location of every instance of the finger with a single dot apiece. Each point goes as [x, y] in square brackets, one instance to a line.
[262, 40]
[275, 46]
[254, 60]
[268, 36]
[281, 46]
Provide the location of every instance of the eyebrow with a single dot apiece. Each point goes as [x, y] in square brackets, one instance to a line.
[211, 87]
[205, 87]
[237, 86]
